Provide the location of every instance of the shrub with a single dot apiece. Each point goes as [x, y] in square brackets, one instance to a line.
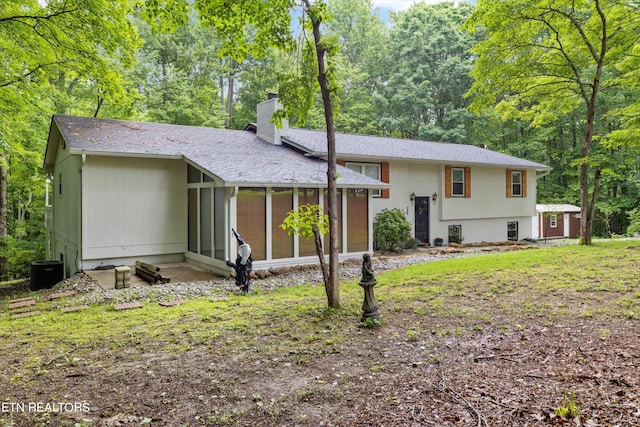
[20, 254]
[391, 230]
[634, 226]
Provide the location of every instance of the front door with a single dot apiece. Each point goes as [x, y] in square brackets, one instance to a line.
[422, 219]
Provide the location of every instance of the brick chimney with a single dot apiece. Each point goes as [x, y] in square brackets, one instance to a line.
[266, 130]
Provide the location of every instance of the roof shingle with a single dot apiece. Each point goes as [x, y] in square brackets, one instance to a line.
[384, 148]
[236, 157]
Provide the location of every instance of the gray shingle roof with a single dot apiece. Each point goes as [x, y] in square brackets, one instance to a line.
[560, 207]
[351, 147]
[236, 157]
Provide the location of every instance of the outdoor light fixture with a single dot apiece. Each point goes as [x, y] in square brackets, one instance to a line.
[434, 197]
[412, 196]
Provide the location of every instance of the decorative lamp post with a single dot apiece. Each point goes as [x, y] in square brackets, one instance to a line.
[369, 306]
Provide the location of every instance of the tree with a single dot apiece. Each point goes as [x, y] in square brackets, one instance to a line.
[50, 50]
[308, 221]
[253, 29]
[428, 65]
[180, 77]
[543, 59]
[363, 39]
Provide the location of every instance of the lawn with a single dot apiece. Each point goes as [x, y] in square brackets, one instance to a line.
[533, 337]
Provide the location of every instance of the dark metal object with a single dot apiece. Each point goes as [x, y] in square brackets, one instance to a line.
[243, 264]
[369, 306]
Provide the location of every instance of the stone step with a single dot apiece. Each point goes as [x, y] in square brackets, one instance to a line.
[74, 308]
[23, 303]
[127, 305]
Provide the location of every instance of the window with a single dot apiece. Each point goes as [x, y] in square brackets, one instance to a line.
[371, 170]
[455, 234]
[205, 215]
[252, 213]
[512, 231]
[310, 196]
[553, 221]
[357, 220]
[457, 182]
[516, 183]
[281, 205]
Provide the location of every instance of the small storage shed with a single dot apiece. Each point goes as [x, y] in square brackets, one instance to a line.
[557, 221]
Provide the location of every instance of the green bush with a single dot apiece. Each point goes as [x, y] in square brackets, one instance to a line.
[391, 230]
[20, 254]
[634, 225]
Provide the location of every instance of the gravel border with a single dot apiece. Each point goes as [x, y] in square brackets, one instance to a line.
[90, 293]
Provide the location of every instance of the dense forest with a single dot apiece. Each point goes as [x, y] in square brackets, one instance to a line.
[425, 73]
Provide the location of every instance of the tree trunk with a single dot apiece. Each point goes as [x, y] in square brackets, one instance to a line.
[333, 287]
[230, 92]
[587, 209]
[3, 218]
[323, 265]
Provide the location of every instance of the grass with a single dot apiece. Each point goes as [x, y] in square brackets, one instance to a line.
[482, 289]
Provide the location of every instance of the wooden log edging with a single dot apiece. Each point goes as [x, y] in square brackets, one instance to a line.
[150, 273]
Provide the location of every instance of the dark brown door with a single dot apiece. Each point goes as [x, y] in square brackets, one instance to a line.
[422, 219]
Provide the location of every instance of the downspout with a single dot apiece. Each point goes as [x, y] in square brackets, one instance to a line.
[80, 205]
[48, 219]
[544, 173]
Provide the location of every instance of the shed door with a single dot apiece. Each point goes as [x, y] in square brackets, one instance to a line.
[422, 219]
[566, 225]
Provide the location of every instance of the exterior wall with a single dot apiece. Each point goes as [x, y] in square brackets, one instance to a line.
[574, 225]
[562, 229]
[485, 229]
[483, 216]
[133, 208]
[65, 200]
[488, 197]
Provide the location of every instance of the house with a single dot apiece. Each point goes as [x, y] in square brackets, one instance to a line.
[454, 192]
[556, 221]
[124, 191]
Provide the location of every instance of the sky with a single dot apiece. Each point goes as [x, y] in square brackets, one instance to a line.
[386, 6]
[393, 5]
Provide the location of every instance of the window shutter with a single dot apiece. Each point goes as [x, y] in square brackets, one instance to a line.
[524, 183]
[509, 186]
[447, 182]
[467, 182]
[384, 177]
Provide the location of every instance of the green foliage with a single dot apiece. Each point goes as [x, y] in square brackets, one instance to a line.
[391, 230]
[427, 74]
[634, 219]
[371, 322]
[540, 62]
[569, 407]
[302, 220]
[179, 75]
[20, 255]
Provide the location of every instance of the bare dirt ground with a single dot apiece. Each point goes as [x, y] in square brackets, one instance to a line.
[494, 376]
[518, 368]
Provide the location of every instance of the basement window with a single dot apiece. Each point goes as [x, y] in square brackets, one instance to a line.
[512, 230]
[455, 233]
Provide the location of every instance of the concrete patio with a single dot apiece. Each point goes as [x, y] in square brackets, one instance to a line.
[177, 272]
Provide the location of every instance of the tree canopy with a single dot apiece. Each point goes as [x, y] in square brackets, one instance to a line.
[542, 60]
